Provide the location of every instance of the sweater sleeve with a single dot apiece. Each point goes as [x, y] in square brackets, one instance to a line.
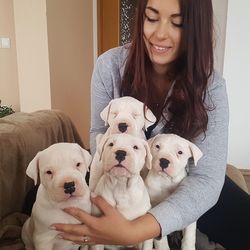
[105, 86]
[200, 190]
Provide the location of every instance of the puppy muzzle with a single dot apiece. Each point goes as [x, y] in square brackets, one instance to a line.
[164, 163]
[122, 126]
[69, 187]
[120, 155]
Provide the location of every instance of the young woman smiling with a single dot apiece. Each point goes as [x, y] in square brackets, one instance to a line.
[169, 66]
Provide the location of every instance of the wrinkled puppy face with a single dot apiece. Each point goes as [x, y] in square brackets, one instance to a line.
[171, 153]
[124, 155]
[126, 115]
[62, 168]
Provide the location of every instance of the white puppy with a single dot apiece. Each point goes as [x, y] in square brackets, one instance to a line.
[122, 157]
[62, 168]
[123, 115]
[170, 157]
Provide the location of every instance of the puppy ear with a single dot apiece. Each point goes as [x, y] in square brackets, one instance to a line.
[101, 145]
[151, 141]
[98, 139]
[196, 152]
[149, 118]
[148, 161]
[87, 157]
[33, 168]
[105, 113]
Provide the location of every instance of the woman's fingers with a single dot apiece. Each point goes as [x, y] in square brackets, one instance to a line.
[81, 215]
[79, 240]
[76, 229]
[103, 205]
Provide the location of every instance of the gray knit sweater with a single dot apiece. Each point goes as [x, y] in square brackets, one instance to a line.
[200, 190]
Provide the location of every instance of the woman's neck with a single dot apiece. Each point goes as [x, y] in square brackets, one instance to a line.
[162, 83]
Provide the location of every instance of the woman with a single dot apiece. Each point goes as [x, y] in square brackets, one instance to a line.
[168, 66]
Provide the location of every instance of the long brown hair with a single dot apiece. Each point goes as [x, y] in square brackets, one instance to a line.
[190, 71]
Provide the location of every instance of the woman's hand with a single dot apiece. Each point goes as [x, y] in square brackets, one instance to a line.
[111, 228]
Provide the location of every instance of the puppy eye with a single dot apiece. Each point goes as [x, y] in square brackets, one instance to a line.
[157, 146]
[78, 164]
[135, 115]
[180, 152]
[135, 147]
[49, 172]
[111, 144]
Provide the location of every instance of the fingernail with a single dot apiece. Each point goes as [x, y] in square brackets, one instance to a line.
[68, 209]
[52, 227]
[59, 236]
[93, 195]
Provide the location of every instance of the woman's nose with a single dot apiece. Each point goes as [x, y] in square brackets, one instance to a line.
[162, 31]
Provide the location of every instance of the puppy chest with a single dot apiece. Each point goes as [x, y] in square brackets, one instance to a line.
[131, 205]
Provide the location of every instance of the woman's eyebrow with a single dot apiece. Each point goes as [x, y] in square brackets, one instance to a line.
[157, 12]
[152, 9]
[176, 15]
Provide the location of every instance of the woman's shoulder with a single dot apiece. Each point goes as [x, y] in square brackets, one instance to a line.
[216, 90]
[215, 81]
[115, 55]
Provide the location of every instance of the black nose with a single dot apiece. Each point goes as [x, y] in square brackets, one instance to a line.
[120, 155]
[69, 187]
[122, 127]
[164, 163]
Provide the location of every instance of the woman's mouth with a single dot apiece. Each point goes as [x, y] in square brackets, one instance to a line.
[160, 49]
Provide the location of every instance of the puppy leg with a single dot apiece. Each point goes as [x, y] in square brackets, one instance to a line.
[27, 234]
[146, 245]
[97, 247]
[161, 244]
[189, 237]
[84, 248]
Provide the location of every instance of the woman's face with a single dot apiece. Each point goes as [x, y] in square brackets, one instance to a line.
[162, 32]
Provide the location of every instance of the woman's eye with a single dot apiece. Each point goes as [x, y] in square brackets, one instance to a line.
[78, 164]
[178, 25]
[135, 147]
[111, 144]
[49, 172]
[180, 152]
[177, 21]
[151, 20]
[157, 146]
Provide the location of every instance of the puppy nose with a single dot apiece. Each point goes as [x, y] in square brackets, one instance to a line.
[164, 163]
[120, 155]
[69, 187]
[122, 127]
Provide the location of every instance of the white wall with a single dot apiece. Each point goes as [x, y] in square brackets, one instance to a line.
[237, 75]
[220, 22]
[9, 92]
[32, 54]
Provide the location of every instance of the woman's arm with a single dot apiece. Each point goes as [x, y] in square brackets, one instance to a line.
[105, 86]
[199, 191]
